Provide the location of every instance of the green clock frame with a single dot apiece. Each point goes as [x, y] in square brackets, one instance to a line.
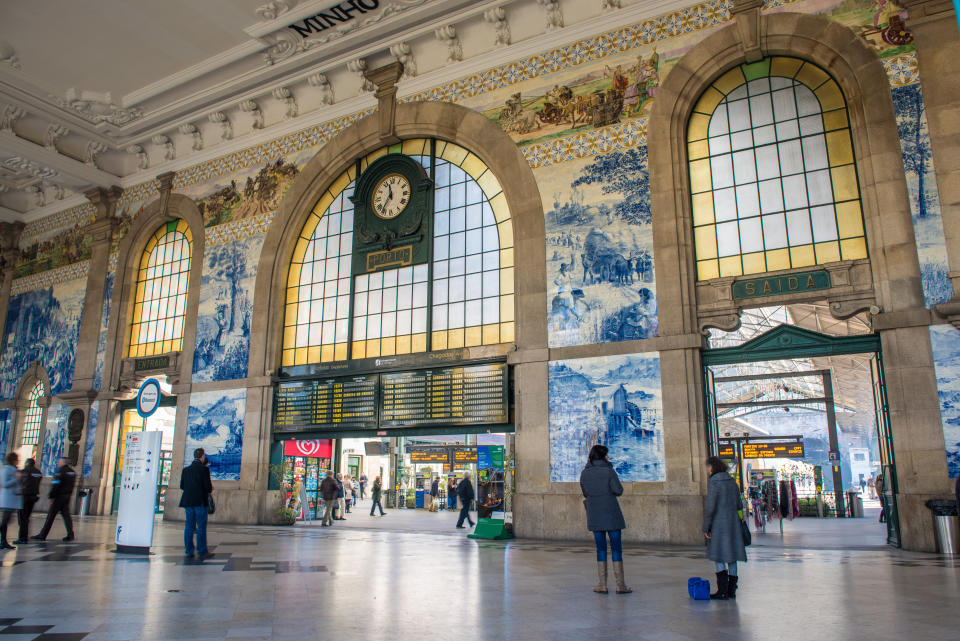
[401, 241]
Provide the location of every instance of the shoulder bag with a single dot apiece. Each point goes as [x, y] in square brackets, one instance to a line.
[745, 530]
[212, 507]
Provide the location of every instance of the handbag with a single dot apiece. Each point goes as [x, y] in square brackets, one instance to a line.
[211, 506]
[745, 531]
[698, 588]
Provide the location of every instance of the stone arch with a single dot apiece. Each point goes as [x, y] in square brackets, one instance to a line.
[164, 209]
[454, 123]
[858, 71]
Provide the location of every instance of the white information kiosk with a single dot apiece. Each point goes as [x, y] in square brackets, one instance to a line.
[138, 480]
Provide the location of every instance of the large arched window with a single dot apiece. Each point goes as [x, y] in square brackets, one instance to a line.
[463, 296]
[33, 419]
[161, 291]
[772, 172]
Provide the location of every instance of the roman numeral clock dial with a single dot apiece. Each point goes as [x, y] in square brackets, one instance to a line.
[391, 196]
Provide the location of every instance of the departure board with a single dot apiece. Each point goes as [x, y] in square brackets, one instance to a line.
[348, 402]
[472, 395]
[773, 450]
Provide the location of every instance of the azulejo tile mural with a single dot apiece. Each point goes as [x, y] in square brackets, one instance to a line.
[215, 423]
[614, 401]
[924, 195]
[226, 307]
[42, 325]
[55, 438]
[102, 337]
[599, 234]
[945, 341]
[4, 429]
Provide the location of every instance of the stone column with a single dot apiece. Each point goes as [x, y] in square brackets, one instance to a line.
[83, 391]
[937, 39]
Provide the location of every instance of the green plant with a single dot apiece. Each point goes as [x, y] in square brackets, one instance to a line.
[285, 515]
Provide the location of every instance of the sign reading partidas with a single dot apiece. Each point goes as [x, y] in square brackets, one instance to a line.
[337, 14]
[779, 285]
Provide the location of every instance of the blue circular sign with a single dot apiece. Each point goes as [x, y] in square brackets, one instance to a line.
[148, 398]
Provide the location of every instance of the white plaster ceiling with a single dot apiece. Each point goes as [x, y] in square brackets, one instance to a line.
[114, 92]
[119, 46]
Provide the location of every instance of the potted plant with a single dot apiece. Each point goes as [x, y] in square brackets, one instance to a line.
[284, 514]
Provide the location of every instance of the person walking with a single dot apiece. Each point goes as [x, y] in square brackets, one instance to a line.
[348, 492]
[601, 486]
[880, 484]
[64, 479]
[465, 492]
[452, 493]
[341, 504]
[10, 498]
[435, 493]
[375, 494]
[363, 486]
[722, 529]
[328, 490]
[30, 478]
[195, 500]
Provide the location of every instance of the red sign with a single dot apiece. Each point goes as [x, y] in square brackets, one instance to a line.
[322, 448]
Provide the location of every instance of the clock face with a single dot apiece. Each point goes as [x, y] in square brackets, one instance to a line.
[391, 196]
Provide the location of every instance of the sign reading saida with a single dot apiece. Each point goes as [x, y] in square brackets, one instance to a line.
[783, 284]
[773, 450]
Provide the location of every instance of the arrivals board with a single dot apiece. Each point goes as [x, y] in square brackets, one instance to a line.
[727, 450]
[471, 395]
[773, 450]
[348, 402]
[428, 454]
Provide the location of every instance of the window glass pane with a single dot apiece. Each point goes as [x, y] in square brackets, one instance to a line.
[814, 152]
[751, 235]
[824, 223]
[771, 196]
[774, 231]
[748, 203]
[728, 239]
[725, 204]
[721, 168]
[798, 227]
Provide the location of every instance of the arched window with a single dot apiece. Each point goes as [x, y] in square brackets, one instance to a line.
[462, 296]
[33, 420]
[772, 172]
[161, 292]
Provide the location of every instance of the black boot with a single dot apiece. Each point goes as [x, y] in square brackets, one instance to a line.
[722, 586]
[732, 587]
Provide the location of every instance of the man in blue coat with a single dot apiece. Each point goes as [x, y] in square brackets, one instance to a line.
[465, 492]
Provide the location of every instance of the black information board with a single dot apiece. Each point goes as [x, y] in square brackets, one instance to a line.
[470, 395]
[773, 450]
[348, 402]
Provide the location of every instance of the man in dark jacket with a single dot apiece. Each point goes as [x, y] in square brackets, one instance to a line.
[60, 490]
[195, 500]
[328, 490]
[31, 477]
[465, 492]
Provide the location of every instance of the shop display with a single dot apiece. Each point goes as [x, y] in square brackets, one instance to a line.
[301, 483]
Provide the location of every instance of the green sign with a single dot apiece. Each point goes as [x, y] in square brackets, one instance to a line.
[151, 363]
[779, 285]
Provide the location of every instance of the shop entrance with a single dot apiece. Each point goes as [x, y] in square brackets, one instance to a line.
[801, 417]
[130, 421]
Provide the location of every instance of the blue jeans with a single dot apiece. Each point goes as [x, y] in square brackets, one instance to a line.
[731, 568]
[616, 545]
[196, 520]
[376, 504]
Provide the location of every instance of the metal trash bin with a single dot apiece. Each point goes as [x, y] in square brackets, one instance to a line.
[84, 501]
[854, 505]
[945, 525]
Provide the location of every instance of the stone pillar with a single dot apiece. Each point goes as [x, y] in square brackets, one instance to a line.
[83, 392]
[937, 39]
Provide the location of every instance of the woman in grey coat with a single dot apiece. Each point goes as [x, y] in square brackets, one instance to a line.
[10, 499]
[721, 527]
[601, 487]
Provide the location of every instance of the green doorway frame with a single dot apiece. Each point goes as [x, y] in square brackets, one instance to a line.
[787, 342]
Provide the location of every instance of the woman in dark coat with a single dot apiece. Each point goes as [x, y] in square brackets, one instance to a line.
[601, 487]
[721, 527]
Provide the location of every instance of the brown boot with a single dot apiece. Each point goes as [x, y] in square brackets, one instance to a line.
[601, 578]
[618, 575]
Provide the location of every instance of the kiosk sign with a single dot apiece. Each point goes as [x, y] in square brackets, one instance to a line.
[148, 398]
[138, 491]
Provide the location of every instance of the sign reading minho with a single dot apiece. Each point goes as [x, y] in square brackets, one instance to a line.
[338, 13]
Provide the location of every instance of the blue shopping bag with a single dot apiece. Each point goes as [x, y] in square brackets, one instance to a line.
[698, 588]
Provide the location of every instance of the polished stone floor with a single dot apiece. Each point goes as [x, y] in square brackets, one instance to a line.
[348, 584]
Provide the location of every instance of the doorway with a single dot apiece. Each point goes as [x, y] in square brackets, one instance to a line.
[130, 421]
[801, 417]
